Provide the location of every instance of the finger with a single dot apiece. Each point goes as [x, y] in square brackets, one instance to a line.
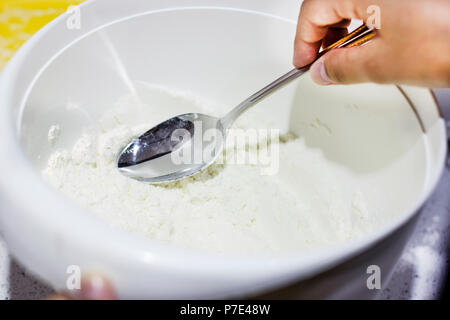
[96, 287]
[352, 65]
[305, 53]
[315, 18]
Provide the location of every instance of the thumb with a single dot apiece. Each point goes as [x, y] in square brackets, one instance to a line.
[349, 65]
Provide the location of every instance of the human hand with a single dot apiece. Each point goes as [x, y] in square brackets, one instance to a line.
[412, 45]
[93, 287]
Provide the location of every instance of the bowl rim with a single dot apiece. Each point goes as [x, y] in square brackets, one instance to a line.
[140, 249]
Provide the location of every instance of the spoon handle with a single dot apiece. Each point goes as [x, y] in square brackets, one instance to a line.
[355, 38]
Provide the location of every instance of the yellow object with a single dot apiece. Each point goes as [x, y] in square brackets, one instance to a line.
[20, 19]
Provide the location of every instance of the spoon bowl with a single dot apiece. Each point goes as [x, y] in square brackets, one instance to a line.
[174, 149]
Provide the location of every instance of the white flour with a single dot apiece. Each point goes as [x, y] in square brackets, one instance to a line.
[226, 209]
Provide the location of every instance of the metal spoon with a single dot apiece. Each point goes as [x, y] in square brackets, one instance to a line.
[157, 155]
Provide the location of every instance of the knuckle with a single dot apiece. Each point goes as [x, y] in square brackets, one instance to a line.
[308, 7]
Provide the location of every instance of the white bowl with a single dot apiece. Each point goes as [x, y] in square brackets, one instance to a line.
[223, 51]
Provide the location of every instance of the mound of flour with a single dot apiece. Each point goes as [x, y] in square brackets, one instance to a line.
[227, 209]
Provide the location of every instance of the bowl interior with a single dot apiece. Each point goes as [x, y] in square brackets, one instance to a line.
[222, 56]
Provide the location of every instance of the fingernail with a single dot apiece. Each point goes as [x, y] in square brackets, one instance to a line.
[96, 287]
[319, 74]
